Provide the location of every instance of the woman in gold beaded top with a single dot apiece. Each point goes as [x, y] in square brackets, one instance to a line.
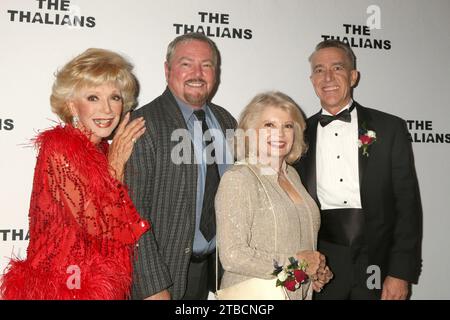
[264, 214]
[83, 225]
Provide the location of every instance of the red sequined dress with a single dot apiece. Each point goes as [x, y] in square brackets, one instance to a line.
[83, 225]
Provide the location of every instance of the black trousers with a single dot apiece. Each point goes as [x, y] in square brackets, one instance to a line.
[202, 277]
[349, 266]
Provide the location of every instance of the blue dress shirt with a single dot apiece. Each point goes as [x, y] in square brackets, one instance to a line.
[223, 159]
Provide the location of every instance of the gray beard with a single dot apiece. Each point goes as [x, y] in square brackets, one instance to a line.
[197, 100]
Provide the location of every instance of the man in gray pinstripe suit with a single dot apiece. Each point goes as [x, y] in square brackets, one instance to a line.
[176, 260]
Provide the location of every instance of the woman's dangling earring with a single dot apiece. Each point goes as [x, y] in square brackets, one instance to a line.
[75, 121]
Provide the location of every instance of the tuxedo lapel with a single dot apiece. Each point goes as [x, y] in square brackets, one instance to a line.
[364, 121]
[311, 180]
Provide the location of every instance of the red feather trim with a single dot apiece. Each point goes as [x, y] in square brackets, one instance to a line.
[79, 151]
[104, 260]
[100, 279]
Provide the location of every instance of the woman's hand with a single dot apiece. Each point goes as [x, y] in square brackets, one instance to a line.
[122, 144]
[322, 277]
[317, 286]
[314, 259]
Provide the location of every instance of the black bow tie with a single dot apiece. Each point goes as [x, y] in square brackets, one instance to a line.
[343, 116]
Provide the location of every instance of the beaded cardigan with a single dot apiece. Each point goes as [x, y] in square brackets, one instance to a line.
[258, 223]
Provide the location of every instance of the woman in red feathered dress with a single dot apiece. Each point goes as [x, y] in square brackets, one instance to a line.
[83, 226]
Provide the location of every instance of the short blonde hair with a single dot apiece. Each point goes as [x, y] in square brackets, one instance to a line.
[92, 68]
[250, 116]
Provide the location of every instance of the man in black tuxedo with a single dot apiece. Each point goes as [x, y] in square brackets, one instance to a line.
[360, 170]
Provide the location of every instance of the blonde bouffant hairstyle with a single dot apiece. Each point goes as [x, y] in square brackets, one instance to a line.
[92, 68]
[251, 115]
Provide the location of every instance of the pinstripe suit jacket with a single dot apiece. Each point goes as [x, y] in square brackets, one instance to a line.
[165, 194]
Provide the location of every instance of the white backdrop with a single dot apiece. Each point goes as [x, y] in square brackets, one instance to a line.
[408, 76]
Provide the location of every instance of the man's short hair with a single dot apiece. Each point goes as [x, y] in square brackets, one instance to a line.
[340, 45]
[190, 37]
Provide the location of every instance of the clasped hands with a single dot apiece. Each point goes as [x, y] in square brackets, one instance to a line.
[317, 269]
